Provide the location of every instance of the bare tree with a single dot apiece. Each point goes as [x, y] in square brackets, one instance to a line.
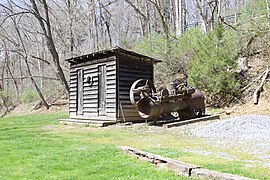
[180, 18]
[7, 66]
[144, 20]
[47, 30]
[24, 54]
[208, 11]
[268, 12]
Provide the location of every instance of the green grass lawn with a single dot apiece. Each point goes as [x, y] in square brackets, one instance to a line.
[38, 147]
[34, 147]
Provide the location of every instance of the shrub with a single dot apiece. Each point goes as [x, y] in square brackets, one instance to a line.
[5, 99]
[28, 96]
[212, 68]
[4, 94]
[175, 57]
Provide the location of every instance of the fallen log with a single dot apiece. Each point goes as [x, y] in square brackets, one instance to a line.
[259, 89]
[178, 167]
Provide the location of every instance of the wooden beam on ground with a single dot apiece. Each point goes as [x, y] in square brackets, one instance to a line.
[178, 167]
[190, 121]
[87, 122]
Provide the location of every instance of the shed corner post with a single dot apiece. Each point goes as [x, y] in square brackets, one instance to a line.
[117, 98]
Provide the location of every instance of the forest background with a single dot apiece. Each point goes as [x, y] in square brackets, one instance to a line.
[211, 41]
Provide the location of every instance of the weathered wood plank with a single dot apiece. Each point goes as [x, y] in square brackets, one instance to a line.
[72, 101]
[111, 91]
[111, 95]
[93, 74]
[89, 64]
[112, 81]
[73, 78]
[87, 114]
[111, 67]
[110, 100]
[90, 97]
[130, 111]
[132, 70]
[181, 123]
[136, 65]
[90, 110]
[88, 105]
[111, 78]
[110, 110]
[72, 89]
[178, 167]
[73, 81]
[111, 86]
[111, 106]
[129, 106]
[129, 81]
[111, 73]
[72, 98]
[72, 110]
[124, 76]
[90, 69]
[88, 122]
[92, 88]
[93, 92]
[73, 93]
[130, 119]
[90, 101]
[73, 85]
[103, 61]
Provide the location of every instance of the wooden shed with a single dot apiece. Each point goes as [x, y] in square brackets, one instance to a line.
[100, 83]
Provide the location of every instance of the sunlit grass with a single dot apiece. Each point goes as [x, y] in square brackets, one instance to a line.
[31, 147]
[38, 147]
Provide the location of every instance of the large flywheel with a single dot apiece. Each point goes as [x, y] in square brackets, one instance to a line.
[141, 88]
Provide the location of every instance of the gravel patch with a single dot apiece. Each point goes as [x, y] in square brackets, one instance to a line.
[241, 134]
[241, 127]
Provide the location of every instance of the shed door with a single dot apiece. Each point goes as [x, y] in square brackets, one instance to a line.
[102, 90]
[80, 92]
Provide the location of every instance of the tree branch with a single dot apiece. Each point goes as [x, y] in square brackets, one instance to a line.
[137, 10]
[41, 59]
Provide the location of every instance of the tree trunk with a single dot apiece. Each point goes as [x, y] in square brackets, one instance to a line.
[180, 18]
[50, 42]
[35, 84]
[202, 12]
[27, 66]
[235, 10]
[12, 77]
[268, 12]
[71, 36]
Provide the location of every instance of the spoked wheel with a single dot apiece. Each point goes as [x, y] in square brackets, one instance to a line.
[141, 85]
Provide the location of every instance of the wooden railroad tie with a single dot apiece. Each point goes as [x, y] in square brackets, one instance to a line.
[190, 121]
[178, 167]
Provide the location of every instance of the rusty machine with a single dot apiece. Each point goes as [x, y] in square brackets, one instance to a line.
[176, 101]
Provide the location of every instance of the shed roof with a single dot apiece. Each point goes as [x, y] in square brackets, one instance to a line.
[109, 52]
